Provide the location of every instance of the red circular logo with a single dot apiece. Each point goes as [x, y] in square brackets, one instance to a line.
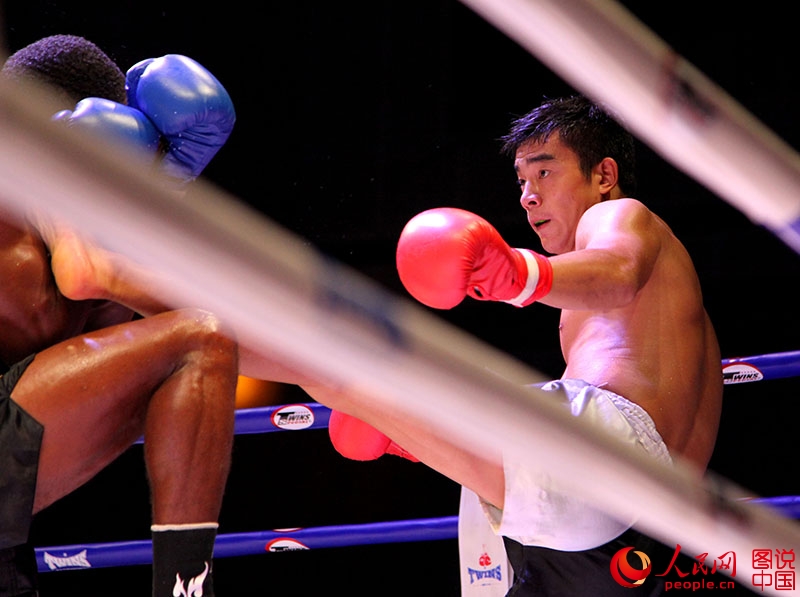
[625, 574]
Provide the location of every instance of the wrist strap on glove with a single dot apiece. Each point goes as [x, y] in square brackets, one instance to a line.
[539, 282]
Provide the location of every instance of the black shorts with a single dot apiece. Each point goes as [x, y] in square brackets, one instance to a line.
[542, 571]
[20, 442]
[18, 572]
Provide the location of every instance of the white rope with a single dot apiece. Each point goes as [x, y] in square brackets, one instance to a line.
[298, 305]
[600, 48]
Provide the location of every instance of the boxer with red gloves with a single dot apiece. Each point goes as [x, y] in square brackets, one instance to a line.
[642, 358]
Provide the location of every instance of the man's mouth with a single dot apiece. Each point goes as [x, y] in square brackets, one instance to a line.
[538, 223]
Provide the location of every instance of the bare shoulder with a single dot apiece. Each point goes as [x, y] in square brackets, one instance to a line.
[21, 244]
[623, 208]
[614, 220]
[33, 313]
[12, 231]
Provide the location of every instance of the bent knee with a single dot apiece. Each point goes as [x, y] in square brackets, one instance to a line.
[203, 319]
[205, 330]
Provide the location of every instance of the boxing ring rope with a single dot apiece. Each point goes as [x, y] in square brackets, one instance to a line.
[289, 301]
[602, 49]
[132, 553]
[777, 365]
[312, 416]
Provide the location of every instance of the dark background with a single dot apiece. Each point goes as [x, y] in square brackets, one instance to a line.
[352, 118]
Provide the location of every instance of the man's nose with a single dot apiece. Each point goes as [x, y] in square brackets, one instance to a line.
[529, 198]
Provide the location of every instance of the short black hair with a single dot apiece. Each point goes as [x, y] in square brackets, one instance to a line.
[585, 127]
[73, 66]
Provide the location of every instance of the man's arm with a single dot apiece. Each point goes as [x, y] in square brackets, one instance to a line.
[446, 254]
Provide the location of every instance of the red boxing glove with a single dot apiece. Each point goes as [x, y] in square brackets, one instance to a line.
[355, 439]
[446, 254]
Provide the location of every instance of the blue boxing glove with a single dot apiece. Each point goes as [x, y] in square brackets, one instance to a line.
[189, 107]
[114, 121]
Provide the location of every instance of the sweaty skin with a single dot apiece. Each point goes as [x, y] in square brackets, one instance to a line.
[101, 380]
[632, 318]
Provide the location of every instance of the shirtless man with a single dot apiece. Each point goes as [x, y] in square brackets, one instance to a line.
[641, 353]
[81, 379]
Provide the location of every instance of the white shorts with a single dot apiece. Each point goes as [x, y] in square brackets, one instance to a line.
[536, 512]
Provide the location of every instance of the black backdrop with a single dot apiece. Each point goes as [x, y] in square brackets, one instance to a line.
[353, 117]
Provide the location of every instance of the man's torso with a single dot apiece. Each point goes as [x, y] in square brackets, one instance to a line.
[659, 351]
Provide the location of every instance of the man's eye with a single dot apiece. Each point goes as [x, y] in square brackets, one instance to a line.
[520, 183]
[544, 173]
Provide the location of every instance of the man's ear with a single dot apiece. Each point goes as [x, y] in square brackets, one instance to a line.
[608, 172]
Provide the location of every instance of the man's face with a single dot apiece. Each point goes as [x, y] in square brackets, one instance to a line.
[555, 193]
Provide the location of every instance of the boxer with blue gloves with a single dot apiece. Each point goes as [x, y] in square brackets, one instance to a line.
[81, 376]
